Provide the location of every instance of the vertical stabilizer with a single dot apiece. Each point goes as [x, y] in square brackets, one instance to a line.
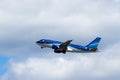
[94, 43]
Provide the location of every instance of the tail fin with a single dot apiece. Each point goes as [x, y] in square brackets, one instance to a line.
[94, 43]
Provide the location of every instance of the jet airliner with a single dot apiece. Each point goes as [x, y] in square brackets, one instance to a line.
[63, 47]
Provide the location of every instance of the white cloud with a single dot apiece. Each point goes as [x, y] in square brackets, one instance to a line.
[65, 12]
[80, 17]
[39, 17]
[101, 65]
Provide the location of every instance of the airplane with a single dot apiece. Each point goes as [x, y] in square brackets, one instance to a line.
[63, 47]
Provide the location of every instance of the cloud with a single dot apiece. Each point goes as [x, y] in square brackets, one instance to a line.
[101, 65]
[23, 22]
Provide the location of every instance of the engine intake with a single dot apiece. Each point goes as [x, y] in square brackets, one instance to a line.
[54, 47]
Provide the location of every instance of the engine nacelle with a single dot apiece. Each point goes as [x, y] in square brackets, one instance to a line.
[54, 47]
[59, 51]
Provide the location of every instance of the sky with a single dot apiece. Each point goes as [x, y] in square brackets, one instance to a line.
[23, 22]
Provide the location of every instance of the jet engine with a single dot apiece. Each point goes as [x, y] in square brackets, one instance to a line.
[58, 50]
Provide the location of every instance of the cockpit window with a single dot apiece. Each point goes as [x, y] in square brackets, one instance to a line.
[42, 40]
[45, 41]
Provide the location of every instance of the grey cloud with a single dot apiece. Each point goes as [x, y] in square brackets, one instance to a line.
[21, 26]
[95, 66]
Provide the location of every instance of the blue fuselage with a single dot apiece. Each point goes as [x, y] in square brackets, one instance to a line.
[70, 48]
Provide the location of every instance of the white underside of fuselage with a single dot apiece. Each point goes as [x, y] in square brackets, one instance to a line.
[69, 48]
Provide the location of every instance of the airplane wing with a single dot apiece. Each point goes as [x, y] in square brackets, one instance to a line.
[64, 45]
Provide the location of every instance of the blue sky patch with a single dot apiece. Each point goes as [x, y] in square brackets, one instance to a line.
[3, 64]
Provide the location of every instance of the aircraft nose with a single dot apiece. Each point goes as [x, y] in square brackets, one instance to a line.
[37, 42]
